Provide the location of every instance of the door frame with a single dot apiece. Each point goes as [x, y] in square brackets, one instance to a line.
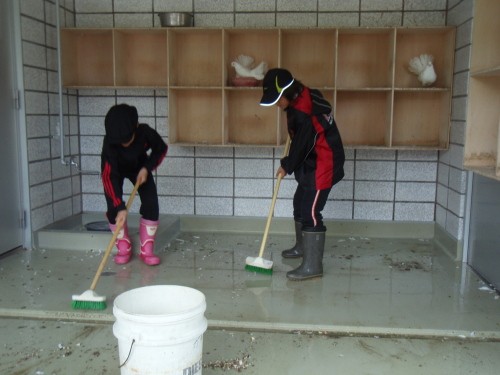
[20, 118]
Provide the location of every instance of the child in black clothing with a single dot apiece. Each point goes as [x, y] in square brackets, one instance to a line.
[316, 159]
[131, 150]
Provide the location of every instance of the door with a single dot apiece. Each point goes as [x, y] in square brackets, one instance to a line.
[11, 217]
[484, 241]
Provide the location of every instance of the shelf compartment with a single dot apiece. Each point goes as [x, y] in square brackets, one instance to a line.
[438, 42]
[481, 148]
[195, 57]
[421, 119]
[363, 117]
[365, 58]
[195, 116]
[247, 122]
[315, 64]
[87, 57]
[261, 45]
[485, 47]
[141, 58]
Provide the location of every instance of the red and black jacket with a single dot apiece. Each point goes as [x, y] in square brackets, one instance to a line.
[316, 155]
[117, 162]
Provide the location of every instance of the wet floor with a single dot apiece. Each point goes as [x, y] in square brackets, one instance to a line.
[384, 306]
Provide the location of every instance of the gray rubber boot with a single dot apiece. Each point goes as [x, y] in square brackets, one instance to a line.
[312, 263]
[296, 251]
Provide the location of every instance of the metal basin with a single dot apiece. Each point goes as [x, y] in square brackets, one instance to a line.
[175, 19]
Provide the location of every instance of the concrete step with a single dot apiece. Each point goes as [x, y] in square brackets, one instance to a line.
[72, 233]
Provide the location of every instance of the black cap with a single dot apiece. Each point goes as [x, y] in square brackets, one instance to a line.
[276, 81]
[120, 123]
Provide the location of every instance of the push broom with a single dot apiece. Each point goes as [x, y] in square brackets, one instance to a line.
[259, 264]
[90, 300]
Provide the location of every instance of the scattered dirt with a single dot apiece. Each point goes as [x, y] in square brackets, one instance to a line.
[237, 364]
[407, 266]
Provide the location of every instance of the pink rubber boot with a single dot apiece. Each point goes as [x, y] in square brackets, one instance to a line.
[147, 234]
[123, 244]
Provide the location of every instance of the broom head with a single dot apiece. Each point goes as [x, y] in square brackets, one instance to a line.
[259, 264]
[88, 300]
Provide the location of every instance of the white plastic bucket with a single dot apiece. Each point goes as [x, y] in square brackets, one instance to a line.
[160, 330]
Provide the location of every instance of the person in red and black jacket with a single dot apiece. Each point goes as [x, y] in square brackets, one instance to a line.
[316, 158]
[131, 151]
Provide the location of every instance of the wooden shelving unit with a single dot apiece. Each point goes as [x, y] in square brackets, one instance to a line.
[482, 142]
[363, 72]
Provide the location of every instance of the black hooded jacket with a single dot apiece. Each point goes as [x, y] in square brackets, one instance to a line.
[117, 162]
[316, 155]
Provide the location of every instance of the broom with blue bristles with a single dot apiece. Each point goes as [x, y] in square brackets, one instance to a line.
[259, 264]
[90, 300]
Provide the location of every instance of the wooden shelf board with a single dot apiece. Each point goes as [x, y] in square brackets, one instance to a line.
[489, 72]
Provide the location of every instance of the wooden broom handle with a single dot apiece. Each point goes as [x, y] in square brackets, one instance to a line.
[112, 241]
[273, 202]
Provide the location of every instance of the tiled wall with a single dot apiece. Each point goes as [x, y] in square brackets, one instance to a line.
[452, 179]
[379, 184]
[54, 188]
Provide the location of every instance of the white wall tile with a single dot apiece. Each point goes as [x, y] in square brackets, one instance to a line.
[38, 149]
[413, 19]
[338, 19]
[134, 20]
[425, 4]
[381, 19]
[342, 190]
[373, 211]
[416, 171]
[214, 19]
[375, 170]
[175, 166]
[39, 172]
[255, 187]
[214, 167]
[41, 217]
[94, 20]
[460, 13]
[254, 20]
[340, 210]
[213, 5]
[173, 6]
[338, 5]
[259, 168]
[255, 6]
[296, 19]
[92, 184]
[214, 187]
[135, 6]
[374, 191]
[93, 6]
[177, 186]
[384, 5]
[176, 205]
[415, 191]
[63, 209]
[62, 189]
[214, 206]
[251, 207]
[296, 5]
[41, 195]
[414, 211]
[33, 30]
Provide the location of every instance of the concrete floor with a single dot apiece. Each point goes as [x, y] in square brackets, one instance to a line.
[384, 306]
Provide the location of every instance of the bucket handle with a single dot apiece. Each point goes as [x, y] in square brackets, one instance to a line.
[129, 352]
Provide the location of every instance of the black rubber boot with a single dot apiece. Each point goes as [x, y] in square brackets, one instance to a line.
[312, 263]
[296, 251]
